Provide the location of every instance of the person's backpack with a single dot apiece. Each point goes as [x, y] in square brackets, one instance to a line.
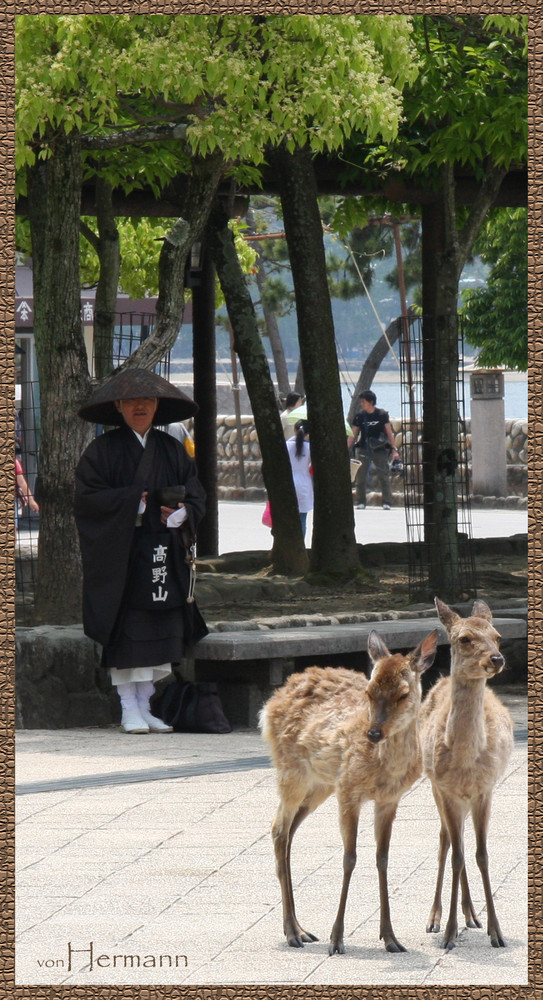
[192, 708]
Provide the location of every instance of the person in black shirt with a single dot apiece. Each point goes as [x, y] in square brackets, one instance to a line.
[373, 440]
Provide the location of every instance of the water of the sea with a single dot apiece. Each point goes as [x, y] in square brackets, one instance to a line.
[388, 397]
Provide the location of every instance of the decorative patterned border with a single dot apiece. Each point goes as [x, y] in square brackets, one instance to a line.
[535, 414]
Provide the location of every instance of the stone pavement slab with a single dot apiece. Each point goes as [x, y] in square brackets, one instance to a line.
[241, 528]
[167, 877]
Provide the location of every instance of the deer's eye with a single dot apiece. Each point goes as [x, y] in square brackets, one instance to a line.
[403, 696]
[465, 638]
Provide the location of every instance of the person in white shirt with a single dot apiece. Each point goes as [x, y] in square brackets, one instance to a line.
[300, 459]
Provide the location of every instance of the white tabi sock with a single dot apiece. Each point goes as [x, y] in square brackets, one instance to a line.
[144, 692]
[132, 720]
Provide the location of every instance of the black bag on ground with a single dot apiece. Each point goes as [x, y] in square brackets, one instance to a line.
[191, 708]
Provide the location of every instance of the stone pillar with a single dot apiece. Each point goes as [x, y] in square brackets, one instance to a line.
[488, 452]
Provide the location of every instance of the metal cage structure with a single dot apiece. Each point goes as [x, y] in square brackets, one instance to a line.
[418, 391]
[131, 330]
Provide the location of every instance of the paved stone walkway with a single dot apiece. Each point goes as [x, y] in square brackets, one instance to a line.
[148, 860]
[241, 528]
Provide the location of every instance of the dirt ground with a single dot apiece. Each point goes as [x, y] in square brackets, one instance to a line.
[501, 579]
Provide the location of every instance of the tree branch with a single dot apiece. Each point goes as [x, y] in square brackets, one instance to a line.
[163, 110]
[194, 206]
[89, 235]
[472, 25]
[135, 137]
[484, 200]
[449, 204]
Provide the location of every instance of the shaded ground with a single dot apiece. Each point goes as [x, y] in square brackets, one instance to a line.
[243, 588]
[240, 586]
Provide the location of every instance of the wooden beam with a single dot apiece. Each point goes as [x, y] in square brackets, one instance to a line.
[398, 189]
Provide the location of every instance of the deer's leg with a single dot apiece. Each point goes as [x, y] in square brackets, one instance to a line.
[384, 818]
[481, 816]
[281, 834]
[348, 820]
[434, 920]
[468, 908]
[286, 822]
[454, 814]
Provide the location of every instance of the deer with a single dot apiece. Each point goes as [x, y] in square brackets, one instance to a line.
[334, 731]
[467, 738]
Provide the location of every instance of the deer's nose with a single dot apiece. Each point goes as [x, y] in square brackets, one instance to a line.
[375, 734]
[497, 660]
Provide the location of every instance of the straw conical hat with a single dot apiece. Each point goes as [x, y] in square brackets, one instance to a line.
[132, 383]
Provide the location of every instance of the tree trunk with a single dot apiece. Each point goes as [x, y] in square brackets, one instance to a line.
[288, 554]
[333, 549]
[440, 408]
[54, 190]
[195, 196]
[299, 383]
[108, 283]
[276, 344]
[445, 249]
[373, 362]
[205, 394]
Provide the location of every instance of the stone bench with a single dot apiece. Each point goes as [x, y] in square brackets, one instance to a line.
[248, 664]
[59, 683]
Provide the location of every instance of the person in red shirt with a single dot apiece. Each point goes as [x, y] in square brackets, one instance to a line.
[23, 494]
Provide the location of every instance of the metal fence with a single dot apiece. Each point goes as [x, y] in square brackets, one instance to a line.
[422, 540]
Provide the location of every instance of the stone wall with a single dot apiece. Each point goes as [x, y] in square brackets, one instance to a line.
[228, 454]
[59, 681]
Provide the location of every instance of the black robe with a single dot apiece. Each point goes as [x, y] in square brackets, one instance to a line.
[106, 504]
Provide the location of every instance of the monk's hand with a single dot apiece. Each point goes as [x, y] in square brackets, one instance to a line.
[165, 513]
[175, 518]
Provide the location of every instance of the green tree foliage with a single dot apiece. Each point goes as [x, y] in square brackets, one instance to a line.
[149, 93]
[236, 83]
[141, 240]
[468, 106]
[495, 318]
[465, 118]
[184, 101]
[465, 111]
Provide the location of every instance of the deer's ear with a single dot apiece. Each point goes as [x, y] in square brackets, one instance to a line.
[446, 615]
[481, 610]
[376, 646]
[424, 655]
